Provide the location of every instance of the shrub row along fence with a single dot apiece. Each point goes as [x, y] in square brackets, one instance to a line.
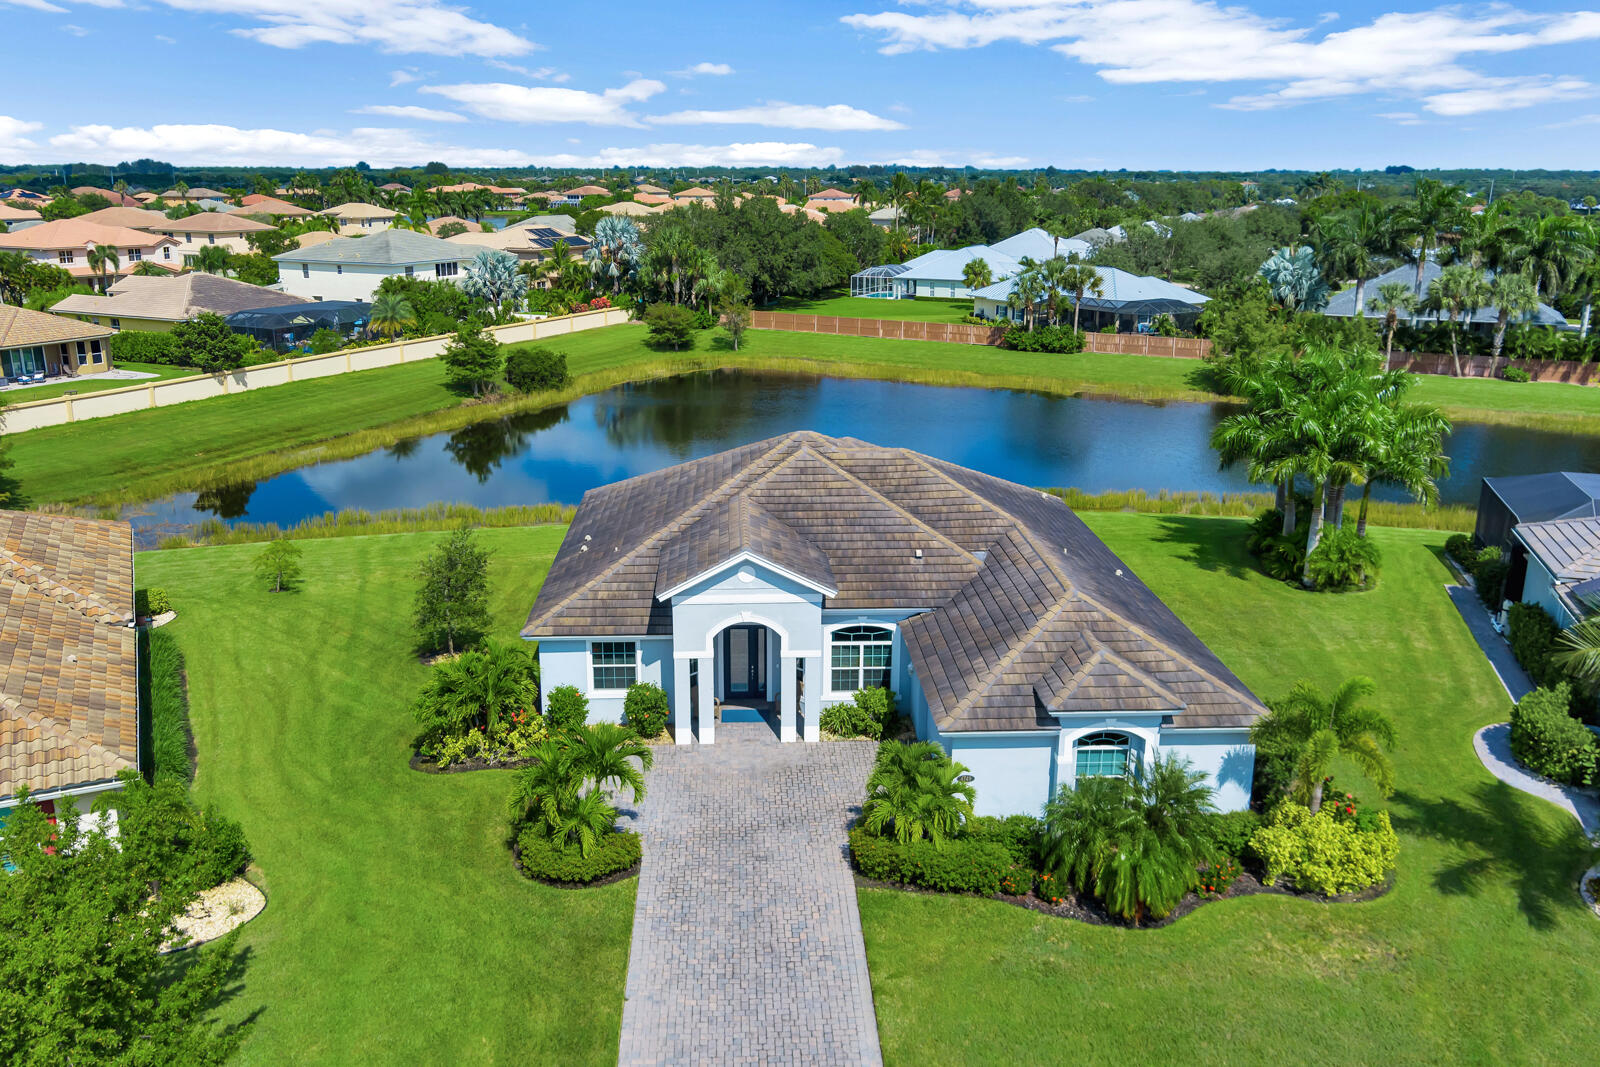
[36, 414]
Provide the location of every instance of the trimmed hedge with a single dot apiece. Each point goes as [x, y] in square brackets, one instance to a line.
[1017, 834]
[543, 859]
[169, 709]
[1533, 633]
[1489, 575]
[531, 370]
[962, 865]
[645, 709]
[1549, 741]
[1231, 832]
[142, 346]
[1060, 339]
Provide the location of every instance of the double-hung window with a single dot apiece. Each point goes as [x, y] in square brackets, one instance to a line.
[615, 664]
[859, 658]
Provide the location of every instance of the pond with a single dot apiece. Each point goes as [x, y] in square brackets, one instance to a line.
[558, 454]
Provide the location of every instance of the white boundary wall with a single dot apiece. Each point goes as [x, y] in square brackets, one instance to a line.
[36, 414]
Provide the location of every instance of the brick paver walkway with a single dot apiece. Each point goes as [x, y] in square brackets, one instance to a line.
[746, 939]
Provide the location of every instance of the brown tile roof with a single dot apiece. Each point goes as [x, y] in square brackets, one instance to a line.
[134, 218]
[17, 214]
[68, 658]
[1030, 612]
[256, 204]
[75, 233]
[210, 222]
[175, 299]
[20, 326]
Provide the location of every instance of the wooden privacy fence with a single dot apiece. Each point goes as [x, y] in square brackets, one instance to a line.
[963, 333]
[1540, 370]
[33, 415]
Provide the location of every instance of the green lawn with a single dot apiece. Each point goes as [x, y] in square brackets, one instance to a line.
[1474, 957]
[920, 309]
[251, 435]
[26, 393]
[397, 930]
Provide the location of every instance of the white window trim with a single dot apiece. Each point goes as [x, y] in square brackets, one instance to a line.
[588, 666]
[830, 693]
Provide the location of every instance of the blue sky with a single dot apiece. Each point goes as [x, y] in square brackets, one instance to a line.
[1177, 84]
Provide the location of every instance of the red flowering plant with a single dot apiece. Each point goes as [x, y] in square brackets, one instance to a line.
[1213, 879]
[1048, 890]
[1016, 881]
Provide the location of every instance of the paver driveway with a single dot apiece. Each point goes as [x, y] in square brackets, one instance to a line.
[746, 939]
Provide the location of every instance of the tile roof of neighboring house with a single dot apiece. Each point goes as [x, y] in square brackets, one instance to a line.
[20, 327]
[442, 221]
[1030, 612]
[589, 190]
[16, 214]
[1119, 290]
[629, 208]
[174, 299]
[387, 248]
[134, 218]
[394, 187]
[1040, 245]
[1343, 303]
[522, 237]
[269, 205]
[211, 222]
[200, 193]
[651, 199]
[77, 233]
[312, 238]
[648, 188]
[146, 196]
[695, 192]
[68, 657]
[358, 210]
[831, 194]
[116, 198]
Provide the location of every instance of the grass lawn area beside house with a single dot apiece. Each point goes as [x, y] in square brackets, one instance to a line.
[1473, 957]
[23, 394]
[397, 930]
[917, 309]
[253, 435]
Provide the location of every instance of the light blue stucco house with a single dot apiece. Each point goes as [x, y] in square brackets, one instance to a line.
[1548, 528]
[770, 581]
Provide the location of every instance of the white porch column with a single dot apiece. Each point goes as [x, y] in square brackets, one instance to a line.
[813, 708]
[706, 719]
[786, 696]
[682, 713]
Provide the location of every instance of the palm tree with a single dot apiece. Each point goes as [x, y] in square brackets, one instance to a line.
[147, 269]
[583, 822]
[482, 686]
[212, 259]
[614, 253]
[1392, 299]
[606, 753]
[120, 187]
[1027, 290]
[1585, 282]
[1078, 278]
[1296, 282]
[1490, 238]
[1578, 650]
[391, 314]
[1314, 728]
[546, 786]
[900, 187]
[1513, 296]
[103, 261]
[1354, 244]
[492, 276]
[1408, 452]
[866, 192]
[14, 269]
[1433, 216]
[916, 790]
[183, 189]
[976, 274]
[1553, 247]
[1457, 293]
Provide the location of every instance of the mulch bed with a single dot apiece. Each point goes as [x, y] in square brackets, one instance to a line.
[428, 766]
[622, 875]
[1089, 910]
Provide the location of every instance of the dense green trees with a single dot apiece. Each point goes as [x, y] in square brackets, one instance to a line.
[452, 602]
[205, 341]
[472, 358]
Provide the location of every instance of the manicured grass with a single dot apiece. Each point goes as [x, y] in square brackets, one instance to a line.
[253, 435]
[1471, 958]
[397, 930]
[23, 394]
[919, 309]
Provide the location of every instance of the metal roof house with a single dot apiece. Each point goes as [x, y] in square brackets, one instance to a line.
[1343, 303]
[1129, 300]
[1548, 526]
[765, 583]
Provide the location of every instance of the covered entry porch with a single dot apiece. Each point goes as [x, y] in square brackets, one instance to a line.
[747, 670]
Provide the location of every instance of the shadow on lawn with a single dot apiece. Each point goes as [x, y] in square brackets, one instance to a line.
[1501, 844]
[1207, 550]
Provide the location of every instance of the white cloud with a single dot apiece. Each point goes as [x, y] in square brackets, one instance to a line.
[538, 74]
[164, 39]
[409, 111]
[788, 116]
[1505, 94]
[541, 104]
[403, 77]
[38, 5]
[1403, 118]
[932, 157]
[1134, 42]
[753, 153]
[713, 70]
[76, 31]
[1581, 120]
[13, 133]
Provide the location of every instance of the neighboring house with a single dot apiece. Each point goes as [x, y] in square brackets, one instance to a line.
[831, 200]
[350, 268]
[648, 188]
[588, 190]
[1343, 303]
[36, 342]
[629, 209]
[134, 218]
[1129, 301]
[1040, 245]
[312, 238]
[356, 216]
[435, 225]
[940, 273]
[530, 244]
[17, 219]
[117, 199]
[394, 187]
[771, 581]
[695, 194]
[66, 243]
[158, 304]
[290, 326]
[887, 217]
[199, 192]
[210, 228]
[257, 204]
[69, 680]
[1548, 528]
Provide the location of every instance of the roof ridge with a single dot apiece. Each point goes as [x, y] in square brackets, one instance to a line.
[1012, 655]
[1022, 527]
[1105, 654]
[34, 577]
[892, 505]
[673, 527]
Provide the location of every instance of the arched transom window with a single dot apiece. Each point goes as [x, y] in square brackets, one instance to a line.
[859, 658]
[1103, 755]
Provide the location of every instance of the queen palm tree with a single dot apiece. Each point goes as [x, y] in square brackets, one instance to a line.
[1078, 278]
[1553, 247]
[1433, 216]
[866, 192]
[1457, 294]
[1027, 290]
[916, 791]
[1354, 244]
[900, 188]
[1408, 452]
[976, 274]
[1313, 728]
[212, 259]
[391, 314]
[183, 189]
[1490, 238]
[1393, 298]
[103, 261]
[1514, 297]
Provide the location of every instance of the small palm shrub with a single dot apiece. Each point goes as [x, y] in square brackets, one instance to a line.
[1324, 853]
[1344, 560]
[914, 793]
[1136, 844]
[645, 708]
[562, 816]
[565, 708]
[479, 691]
[1548, 741]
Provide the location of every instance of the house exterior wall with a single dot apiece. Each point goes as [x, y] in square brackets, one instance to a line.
[349, 227]
[128, 322]
[76, 259]
[350, 281]
[1226, 756]
[1014, 774]
[565, 661]
[190, 243]
[1539, 587]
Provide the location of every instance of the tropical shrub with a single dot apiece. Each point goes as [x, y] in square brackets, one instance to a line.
[1017, 834]
[960, 865]
[1516, 374]
[566, 709]
[477, 692]
[1136, 844]
[1214, 878]
[324, 341]
[915, 792]
[532, 370]
[1532, 634]
[152, 601]
[452, 601]
[1058, 339]
[670, 324]
[1324, 854]
[1547, 740]
[1231, 831]
[1489, 575]
[507, 741]
[141, 346]
[1307, 729]
[865, 716]
[1344, 560]
[174, 844]
[546, 859]
[1461, 548]
[645, 708]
